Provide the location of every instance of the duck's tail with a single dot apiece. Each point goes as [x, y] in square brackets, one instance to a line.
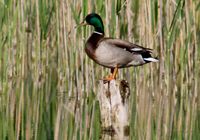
[151, 59]
[148, 58]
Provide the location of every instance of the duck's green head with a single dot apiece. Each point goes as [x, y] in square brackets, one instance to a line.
[94, 20]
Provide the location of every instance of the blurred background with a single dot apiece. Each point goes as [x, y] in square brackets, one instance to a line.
[48, 84]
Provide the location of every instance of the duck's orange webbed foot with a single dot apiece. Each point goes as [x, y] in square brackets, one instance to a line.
[112, 76]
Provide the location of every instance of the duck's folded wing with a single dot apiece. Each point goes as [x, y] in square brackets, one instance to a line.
[126, 45]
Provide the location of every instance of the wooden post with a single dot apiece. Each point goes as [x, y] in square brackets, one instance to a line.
[114, 106]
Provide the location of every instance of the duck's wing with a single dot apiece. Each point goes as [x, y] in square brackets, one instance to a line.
[132, 48]
[128, 46]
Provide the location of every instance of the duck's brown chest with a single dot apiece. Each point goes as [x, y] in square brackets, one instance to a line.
[92, 44]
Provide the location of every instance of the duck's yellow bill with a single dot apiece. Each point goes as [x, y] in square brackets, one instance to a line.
[82, 24]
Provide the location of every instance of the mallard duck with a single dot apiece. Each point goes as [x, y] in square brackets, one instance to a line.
[111, 52]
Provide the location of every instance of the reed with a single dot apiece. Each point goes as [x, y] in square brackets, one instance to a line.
[48, 85]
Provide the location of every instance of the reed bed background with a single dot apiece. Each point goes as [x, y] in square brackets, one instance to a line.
[48, 85]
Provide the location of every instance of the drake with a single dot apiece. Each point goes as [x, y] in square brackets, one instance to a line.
[113, 53]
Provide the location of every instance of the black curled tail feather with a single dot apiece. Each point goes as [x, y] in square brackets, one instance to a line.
[148, 58]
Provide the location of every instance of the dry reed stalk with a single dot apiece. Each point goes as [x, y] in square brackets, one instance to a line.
[38, 65]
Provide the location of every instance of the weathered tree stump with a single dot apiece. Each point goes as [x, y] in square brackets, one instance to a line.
[114, 106]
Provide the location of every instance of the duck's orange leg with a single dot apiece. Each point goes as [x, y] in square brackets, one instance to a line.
[112, 76]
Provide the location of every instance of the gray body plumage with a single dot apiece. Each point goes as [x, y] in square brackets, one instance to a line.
[118, 57]
[112, 53]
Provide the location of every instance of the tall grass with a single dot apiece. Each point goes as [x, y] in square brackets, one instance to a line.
[48, 84]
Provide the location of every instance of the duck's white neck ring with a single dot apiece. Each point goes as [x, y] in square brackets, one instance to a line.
[98, 33]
